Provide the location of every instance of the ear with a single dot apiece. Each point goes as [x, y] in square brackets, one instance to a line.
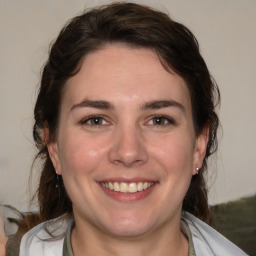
[200, 148]
[53, 150]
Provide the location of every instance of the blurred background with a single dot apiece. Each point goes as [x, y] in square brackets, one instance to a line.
[226, 33]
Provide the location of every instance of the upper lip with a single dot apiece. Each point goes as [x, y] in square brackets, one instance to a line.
[128, 180]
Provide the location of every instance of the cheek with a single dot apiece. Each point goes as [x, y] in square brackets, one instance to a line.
[176, 159]
[175, 153]
[79, 154]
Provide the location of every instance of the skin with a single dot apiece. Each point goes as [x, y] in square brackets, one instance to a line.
[129, 143]
[2, 245]
[3, 238]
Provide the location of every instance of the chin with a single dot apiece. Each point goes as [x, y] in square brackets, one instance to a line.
[129, 226]
[128, 231]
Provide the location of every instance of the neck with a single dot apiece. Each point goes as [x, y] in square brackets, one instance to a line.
[166, 240]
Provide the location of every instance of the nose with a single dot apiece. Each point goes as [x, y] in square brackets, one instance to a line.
[128, 148]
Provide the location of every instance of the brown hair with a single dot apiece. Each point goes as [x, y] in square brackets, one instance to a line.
[137, 26]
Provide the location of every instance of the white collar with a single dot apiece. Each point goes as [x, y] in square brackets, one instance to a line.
[207, 241]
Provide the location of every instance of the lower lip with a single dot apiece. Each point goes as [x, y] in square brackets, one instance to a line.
[128, 197]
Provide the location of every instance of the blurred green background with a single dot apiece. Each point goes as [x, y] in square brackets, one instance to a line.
[237, 221]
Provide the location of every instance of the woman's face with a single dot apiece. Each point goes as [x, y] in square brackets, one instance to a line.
[126, 145]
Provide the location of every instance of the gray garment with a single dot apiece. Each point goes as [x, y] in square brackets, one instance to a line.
[67, 248]
[13, 245]
[186, 231]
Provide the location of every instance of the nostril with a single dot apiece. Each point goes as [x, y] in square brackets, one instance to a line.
[128, 147]
[128, 158]
[127, 163]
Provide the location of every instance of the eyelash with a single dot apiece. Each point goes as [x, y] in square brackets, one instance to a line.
[93, 117]
[167, 120]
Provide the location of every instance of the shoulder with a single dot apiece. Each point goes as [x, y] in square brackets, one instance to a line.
[45, 239]
[208, 241]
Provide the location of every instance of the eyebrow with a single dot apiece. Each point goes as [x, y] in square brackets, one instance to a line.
[100, 104]
[158, 104]
[155, 104]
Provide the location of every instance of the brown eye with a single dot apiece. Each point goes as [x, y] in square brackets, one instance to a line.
[161, 121]
[94, 121]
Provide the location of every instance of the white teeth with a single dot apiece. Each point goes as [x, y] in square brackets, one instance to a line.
[116, 186]
[124, 187]
[133, 187]
[110, 186]
[140, 186]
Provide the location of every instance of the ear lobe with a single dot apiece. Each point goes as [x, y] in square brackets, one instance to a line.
[52, 149]
[200, 148]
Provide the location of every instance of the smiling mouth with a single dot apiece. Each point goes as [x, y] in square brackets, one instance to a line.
[124, 187]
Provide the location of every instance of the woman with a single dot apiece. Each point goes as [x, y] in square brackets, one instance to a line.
[125, 122]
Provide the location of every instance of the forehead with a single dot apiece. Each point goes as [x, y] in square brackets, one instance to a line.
[124, 75]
